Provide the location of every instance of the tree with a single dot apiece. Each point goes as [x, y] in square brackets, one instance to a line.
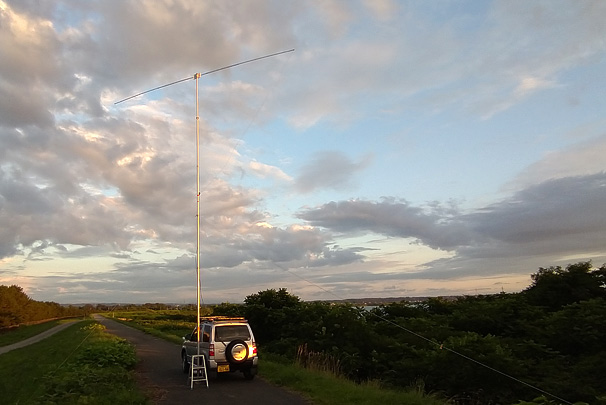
[273, 299]
[273, 314]
[228, 309]
[17, 308]
[13, 305]
[554, 287]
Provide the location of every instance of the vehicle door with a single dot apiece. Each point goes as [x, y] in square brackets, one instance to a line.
[191, 343]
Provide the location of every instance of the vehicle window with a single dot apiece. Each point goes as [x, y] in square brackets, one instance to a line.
[206, 334]
[230, 332]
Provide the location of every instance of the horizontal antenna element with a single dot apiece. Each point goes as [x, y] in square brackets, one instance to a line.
[198, 75]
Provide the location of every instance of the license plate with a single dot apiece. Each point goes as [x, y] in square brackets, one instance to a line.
[223, 369]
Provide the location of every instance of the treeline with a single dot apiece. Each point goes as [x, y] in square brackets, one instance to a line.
[495, 349]
[17, 308]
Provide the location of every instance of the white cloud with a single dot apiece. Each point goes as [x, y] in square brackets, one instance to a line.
[263, 170]
[529, 85]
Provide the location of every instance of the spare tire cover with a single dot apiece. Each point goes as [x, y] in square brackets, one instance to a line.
[236, 351]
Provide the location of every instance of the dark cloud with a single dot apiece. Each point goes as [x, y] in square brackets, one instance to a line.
[556, 217]
[392, 218]
[562, 216]
[557, 208]
[304, 246]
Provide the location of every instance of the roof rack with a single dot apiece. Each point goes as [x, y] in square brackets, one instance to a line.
[222, 319]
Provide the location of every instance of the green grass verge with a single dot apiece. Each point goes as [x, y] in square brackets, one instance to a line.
[79, 365]
[15, 335]
[170, 325]
[324, 388]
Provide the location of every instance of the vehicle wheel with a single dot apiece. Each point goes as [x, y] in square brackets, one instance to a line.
[184, 363]
[236, 351]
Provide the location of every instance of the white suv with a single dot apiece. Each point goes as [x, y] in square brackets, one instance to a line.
[228, 345]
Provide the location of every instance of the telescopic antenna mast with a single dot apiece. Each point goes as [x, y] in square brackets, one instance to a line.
[196, 77]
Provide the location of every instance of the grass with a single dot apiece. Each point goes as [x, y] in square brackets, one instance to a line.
[79, 365]
[170, 325]
[23, 332]
[326, 388]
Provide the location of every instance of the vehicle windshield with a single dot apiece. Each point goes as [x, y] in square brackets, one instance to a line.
[231, 332]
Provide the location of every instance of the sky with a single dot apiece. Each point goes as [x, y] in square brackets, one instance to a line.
[403, 149]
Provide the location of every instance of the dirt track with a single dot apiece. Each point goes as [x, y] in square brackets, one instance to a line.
[159, 373]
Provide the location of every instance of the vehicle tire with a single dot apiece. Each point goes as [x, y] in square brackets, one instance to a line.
[184, 363]
[236, 351]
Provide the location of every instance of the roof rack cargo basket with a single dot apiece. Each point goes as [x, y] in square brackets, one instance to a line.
[222, 319]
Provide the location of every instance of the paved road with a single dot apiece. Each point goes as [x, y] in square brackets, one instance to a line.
[37, 338]
[159, 372]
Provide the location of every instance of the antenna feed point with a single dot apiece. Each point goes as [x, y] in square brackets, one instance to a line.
[197, 76]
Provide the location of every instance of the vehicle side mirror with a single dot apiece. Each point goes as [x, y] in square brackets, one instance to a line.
[187, 337]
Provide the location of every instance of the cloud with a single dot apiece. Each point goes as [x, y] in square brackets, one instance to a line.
[263, 170]
[27, 52]
[256, 257]
[383, 9]
[581, 159]
[529, 85]
[483, 63]
[31, 213]
[300, 246]
[329, 169]
[391, 218]
[556, 217]
[551, 219]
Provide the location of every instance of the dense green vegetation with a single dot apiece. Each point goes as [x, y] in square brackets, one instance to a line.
[549, 336]
[79, 365]
[17, 308]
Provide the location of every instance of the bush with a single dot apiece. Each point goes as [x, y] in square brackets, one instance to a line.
[100, 373]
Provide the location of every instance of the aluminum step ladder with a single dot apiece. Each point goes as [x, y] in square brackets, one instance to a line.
[197, 370]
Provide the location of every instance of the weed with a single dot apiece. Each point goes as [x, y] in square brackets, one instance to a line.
[80, 365]
[317, 361]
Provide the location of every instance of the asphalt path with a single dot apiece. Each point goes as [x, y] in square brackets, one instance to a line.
[160, 376]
